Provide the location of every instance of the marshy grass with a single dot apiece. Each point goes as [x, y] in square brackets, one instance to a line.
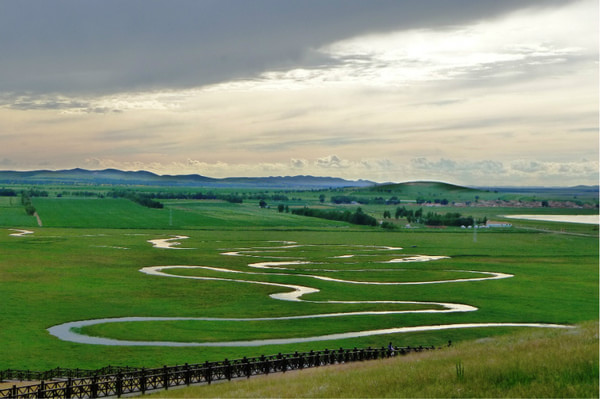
[531, 363]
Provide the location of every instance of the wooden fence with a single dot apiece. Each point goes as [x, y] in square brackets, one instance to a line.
[118, 381]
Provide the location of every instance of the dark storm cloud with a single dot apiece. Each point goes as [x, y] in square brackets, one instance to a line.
[108, 46]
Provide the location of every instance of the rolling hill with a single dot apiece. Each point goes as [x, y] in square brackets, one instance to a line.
[144, 178]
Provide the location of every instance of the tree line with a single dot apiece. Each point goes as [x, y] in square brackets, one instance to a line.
[32, 192]
[139, 198]
[26, 202]
[435, 219]
[236, 198]
[356, 217]
[351, 199]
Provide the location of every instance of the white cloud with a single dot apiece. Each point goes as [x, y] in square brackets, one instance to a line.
[491, 48]
[298, 163]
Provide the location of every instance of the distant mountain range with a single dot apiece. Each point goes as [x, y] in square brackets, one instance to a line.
[144, 178]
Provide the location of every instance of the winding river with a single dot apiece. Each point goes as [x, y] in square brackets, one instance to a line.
[295, 293]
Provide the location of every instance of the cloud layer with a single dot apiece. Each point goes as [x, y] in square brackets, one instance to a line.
[476, 93]
[110, 45]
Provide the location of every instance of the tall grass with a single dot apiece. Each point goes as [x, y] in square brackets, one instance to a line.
[532, 363]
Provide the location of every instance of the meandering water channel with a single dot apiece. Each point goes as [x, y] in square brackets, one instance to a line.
[293, 292]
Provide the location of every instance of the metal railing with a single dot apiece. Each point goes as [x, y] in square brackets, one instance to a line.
[118, 381]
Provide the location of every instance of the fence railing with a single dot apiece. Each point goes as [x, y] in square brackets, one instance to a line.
[59, 372]
[118, 381]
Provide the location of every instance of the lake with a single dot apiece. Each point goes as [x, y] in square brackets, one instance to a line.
[587, 219]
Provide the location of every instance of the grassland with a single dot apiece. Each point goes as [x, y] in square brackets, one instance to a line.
[84, 264]
[526, 364]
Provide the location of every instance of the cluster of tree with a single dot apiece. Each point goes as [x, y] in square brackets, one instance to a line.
[345, 199]
[388, 225]
[7, 192]
[382, 201]
[140, 198]
[80, 194]
[350, 199]
[434, 219]
[262, 196]
[410, 215]
[421, 200]
[357, 217]
[26, 202]
[234, 198]
[447, 219]
[33, 192]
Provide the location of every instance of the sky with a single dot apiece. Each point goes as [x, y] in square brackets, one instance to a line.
[472, 92]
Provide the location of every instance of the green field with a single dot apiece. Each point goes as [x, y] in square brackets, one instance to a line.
[84, 263]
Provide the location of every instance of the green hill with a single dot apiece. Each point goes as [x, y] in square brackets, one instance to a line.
[428, 191]
[422, 186]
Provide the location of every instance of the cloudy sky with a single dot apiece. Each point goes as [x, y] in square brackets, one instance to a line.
[475, 92]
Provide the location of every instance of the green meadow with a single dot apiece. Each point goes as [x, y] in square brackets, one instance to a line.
[84, 263]
[539, 363]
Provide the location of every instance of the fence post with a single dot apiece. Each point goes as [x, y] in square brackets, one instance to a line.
[227, 369]
[207, 372]
[119, 384]
[247, 370]
[165, 377]
[284, 363]
[69, 389]
[265, 366]
[41, 389]
[94, 387]
[188, 375]
[143, 381]
[279, 362]
[14, 391]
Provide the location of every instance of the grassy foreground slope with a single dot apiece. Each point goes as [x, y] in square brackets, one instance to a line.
[538, 363]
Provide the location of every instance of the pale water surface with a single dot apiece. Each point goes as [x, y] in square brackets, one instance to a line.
[586, 219]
